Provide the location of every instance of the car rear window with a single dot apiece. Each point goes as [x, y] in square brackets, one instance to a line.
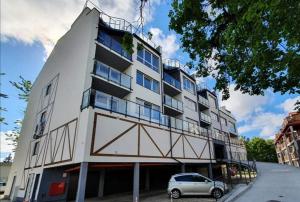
[184, 178]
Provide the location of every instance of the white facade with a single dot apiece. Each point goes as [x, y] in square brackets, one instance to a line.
[76, 113]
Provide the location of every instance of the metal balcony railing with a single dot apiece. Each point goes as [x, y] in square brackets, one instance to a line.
[107, 102]
[205, 117]
[171, 102]
[113, 75]
[203, 100]
[121, 24]
[172, 81]
[113, 44]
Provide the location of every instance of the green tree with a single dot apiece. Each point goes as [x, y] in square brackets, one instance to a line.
[254, 44]
[24, 87]
[261, 149]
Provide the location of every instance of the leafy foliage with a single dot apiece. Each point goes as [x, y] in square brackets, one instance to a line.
[127, 43]
[24, 86]
[255, 44]
[261, 149]
[8, 159]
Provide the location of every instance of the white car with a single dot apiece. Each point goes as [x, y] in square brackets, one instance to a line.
[2, 187]
[195, 184]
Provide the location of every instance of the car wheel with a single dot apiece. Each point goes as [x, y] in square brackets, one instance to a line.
[217, 193]
[175, 193]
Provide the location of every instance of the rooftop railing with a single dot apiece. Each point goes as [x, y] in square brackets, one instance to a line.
[107, 102]
[172, 81]
[121, 24]
[113, 75]
[171, 102]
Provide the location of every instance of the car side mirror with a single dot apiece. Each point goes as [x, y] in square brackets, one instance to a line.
[206, 181]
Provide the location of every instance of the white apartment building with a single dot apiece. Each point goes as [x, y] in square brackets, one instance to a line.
[101, 121]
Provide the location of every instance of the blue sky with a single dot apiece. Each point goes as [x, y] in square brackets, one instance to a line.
[25, 44]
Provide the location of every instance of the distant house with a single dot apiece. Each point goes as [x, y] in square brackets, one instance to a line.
[287, 141]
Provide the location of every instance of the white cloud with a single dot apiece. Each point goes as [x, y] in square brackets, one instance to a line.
[5, 145]
[243, 106]
[289, 104]
[167, 42]
[266, 122]
[46, 21]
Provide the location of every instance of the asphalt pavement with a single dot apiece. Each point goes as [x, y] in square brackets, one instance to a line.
[274, 183]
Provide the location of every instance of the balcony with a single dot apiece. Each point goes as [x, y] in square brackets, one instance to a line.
[205, 119]
[110, 79]
[203, 103]
[172, 106]
[110, 103]
[109, 50]
[172, 86]
[232, 130]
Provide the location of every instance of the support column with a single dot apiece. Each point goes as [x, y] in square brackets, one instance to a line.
[82, 182]
[101, 183]
[147, 181]
[136, 182]
[183, 168]
[210, 172]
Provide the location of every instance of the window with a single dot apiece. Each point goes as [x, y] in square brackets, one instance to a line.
[231, 126]
[199, 179]
[185, 178]
[188, 85]
[43, 117]
[147, 58]
[147, 82]
[147, 109]
[190, 104]
[192, 121]
[36, 148]
[214, 116]
[213, 102]
[223, 121]
[48, 89]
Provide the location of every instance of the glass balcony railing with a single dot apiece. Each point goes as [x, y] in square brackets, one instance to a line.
[203, 100]
[172, 81]
[232, 130]
[113, 44]
[205, 117]
[113, 75]
[105, 101]
[171, 102]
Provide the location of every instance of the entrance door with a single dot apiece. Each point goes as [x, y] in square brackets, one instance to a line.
[28, 187]
[36, 182]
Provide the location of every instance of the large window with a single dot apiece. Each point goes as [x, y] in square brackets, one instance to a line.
[213, 102]
[147, 82]
[188, 85]
[214, 116]
[147, 109]
[223, 121]
[231, 126]
[147, 58]
[190, 104]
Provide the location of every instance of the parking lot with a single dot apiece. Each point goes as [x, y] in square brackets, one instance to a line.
[157, 196]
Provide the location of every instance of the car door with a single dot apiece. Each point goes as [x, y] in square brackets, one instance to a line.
[201, 185]
[185, 184]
